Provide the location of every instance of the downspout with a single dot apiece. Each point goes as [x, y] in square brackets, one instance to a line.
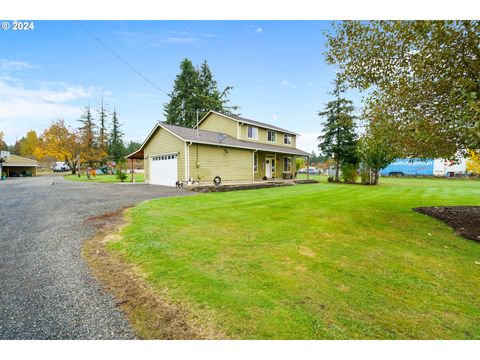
[187, 161]
[253, 165]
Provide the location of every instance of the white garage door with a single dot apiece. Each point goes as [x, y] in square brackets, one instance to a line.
[163, 169]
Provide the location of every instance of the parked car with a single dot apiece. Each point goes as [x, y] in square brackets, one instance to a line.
[311, 171]
[60, 167]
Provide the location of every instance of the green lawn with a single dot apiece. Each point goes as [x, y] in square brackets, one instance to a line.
[105, 178]
[320, 261]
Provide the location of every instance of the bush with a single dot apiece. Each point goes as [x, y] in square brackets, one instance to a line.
[121, 174]
[349, 173]
[330, 179]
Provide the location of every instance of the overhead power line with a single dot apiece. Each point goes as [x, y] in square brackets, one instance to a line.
[121, 59]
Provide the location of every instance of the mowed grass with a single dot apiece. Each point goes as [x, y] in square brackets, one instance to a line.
[320, 261]
[105, 178]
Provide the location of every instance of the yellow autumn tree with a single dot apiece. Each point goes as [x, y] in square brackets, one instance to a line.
[3, 145]
[29, 144]
[473, 161]
[62, 143]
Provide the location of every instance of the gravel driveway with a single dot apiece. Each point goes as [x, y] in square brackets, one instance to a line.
[46, 291]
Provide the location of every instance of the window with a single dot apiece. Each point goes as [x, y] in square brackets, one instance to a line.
[287, 139]
[287, 164]
[255, 162]
[271, 136]
[252, 132]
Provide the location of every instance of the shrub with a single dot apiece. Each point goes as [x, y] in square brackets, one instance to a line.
[330, 179]
[121, 174]
[349, 173]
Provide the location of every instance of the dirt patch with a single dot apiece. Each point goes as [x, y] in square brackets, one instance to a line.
[306, 251]
[465, 220]
[150, 314]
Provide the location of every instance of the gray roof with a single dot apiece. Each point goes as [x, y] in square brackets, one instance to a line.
[216, 138]
[254, 122]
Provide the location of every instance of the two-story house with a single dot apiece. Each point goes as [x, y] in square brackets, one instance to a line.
[231, 147]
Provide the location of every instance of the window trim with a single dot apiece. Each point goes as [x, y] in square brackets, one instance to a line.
[291, 164]
[254, 132]
[285, 137]
[274, 136]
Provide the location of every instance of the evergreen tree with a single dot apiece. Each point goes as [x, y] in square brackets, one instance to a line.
[338, 141]
[132, 147]
[88, 136]
[102, 131]
[181, 110]
[195, 89]
[116, 149]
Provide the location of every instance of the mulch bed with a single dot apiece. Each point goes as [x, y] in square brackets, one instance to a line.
[251, 186]
[465, 220]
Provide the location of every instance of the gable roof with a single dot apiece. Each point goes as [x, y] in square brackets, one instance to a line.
[215, 138]
[249, 121]
[15, 160]
[212, 138]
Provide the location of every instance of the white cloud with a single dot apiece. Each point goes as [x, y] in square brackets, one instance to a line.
[258, 30]
[158, 38]
[25, 108]
[179, 39]
[274, 117]
[308, 142]
[288, 84]
[14, 65]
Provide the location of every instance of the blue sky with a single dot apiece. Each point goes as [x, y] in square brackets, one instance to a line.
[277, 70]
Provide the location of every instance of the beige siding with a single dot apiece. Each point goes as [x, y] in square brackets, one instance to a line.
[208, 161]
[262, 137]
[163, 142]
[279, 159]
[221, 124]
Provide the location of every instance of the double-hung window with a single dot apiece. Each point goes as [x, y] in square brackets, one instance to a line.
[252, 132]
[287, 139]
[287, 164]
[271, 136]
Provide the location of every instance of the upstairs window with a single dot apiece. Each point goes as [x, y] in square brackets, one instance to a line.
[287, 139]
[252, 132]
[271, 136]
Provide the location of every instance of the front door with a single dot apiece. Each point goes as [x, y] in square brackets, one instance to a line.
[269, 167]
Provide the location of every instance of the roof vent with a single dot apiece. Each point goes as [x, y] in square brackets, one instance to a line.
[221, 137]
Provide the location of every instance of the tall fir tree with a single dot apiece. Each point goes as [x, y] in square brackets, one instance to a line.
[195, 89]
[116, 148]
[88, 134]
[338, 141]
[102, 130]
[181, 110]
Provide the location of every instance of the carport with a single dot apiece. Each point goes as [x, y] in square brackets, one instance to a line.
[16, 166]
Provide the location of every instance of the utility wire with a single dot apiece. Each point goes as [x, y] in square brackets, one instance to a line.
[121, 59]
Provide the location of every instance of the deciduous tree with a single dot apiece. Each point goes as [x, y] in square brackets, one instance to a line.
[29, 144]
[425, 75]
[3, 144]
[473, 162]
[61, 142]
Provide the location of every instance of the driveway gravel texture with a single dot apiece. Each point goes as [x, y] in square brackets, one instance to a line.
[46, 290]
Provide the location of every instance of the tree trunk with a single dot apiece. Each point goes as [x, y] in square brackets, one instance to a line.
[337, 165]
[375, 180]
